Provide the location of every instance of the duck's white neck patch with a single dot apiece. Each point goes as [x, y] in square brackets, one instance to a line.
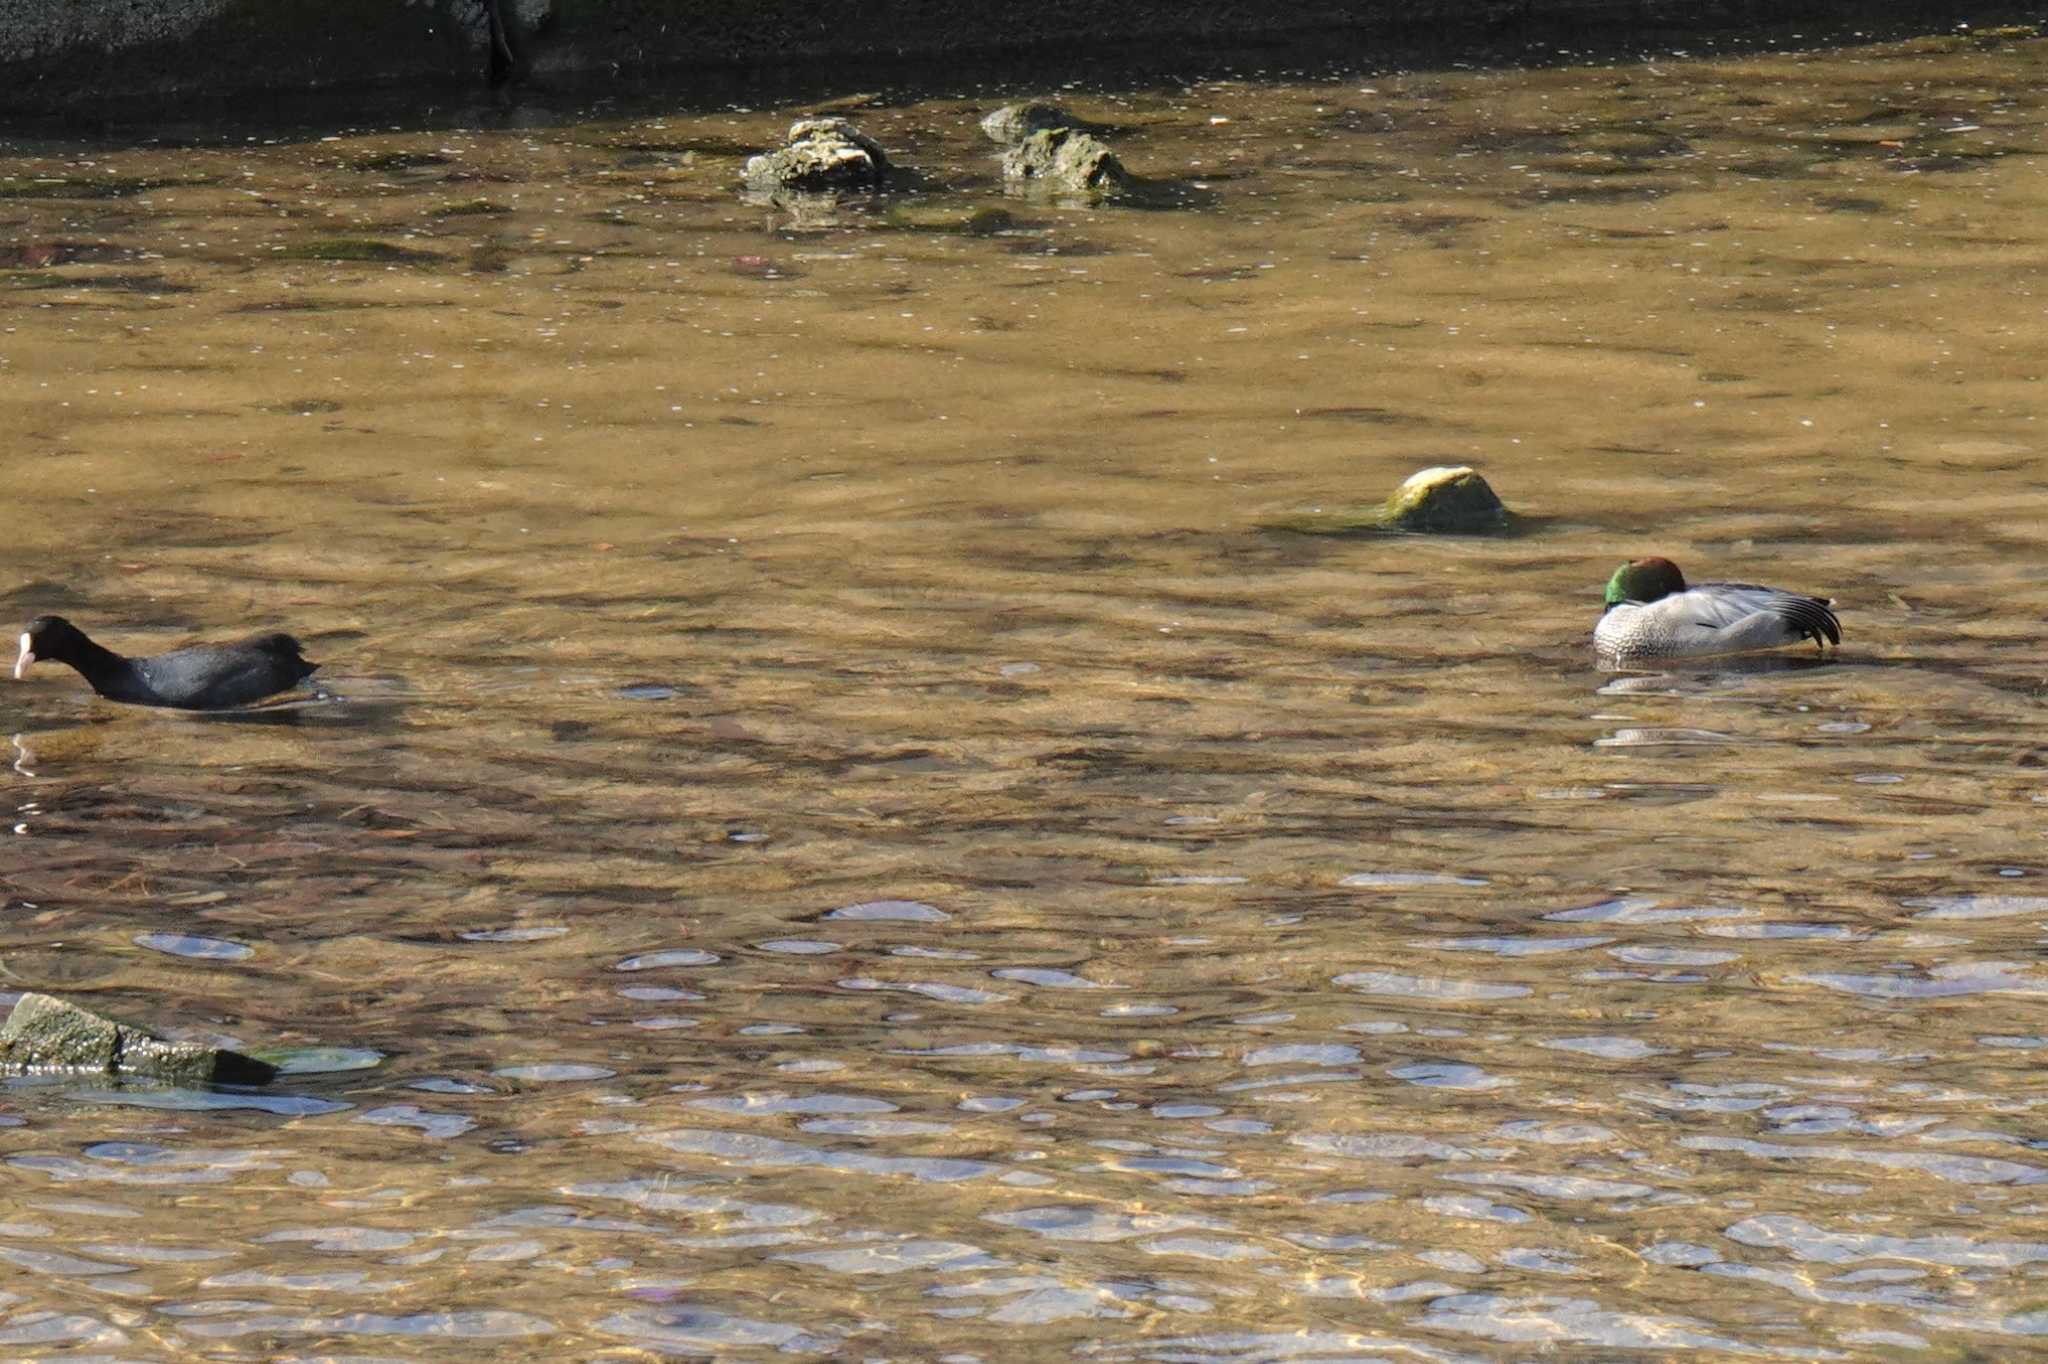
[26, 657]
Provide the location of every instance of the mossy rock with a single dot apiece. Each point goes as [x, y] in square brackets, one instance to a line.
[1444, 500]
[473, 208]
[123, 283]
[44, 1035]
[967, 220]
[400, 161]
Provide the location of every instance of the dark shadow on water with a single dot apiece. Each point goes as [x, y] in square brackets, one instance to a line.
[1152, 195]
[1519, 37]
[356, 703]
[289, 710]
[1356, 524]
[41, 595]
[368, 703]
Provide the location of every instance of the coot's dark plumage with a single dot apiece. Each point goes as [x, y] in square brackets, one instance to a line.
[203, 677]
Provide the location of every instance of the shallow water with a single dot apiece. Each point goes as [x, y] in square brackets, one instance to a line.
[840, 831]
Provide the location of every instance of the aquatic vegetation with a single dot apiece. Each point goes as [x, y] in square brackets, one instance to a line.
[359, 249]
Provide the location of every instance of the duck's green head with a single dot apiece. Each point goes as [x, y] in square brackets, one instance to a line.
[1644, 580]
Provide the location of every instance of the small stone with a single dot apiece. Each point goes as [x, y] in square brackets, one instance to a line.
[823, 155]
[47, 1034]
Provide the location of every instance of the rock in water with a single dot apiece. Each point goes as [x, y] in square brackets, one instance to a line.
[824, 155]
[1454, 499]
[1064, 161]
[1446, 500]
[1046, 148]
[1013, 123]
[910, 215]
[47, 1034]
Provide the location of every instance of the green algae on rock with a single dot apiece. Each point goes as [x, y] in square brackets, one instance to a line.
[970, 220]
[1442, 500]
[45, 1034]
[363, 249]
[473, 208]
[1446, 498]
[84, 186]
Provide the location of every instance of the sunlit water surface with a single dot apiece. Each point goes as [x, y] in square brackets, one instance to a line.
[841, 832]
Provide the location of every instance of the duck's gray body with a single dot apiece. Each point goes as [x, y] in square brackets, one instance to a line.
[1710, 618]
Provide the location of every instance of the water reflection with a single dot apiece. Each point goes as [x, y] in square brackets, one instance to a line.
[877, 843]
[1706, 674]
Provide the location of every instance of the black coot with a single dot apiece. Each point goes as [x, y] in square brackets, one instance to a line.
[203, 677]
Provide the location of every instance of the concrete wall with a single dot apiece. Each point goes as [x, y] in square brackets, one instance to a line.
[84, 57]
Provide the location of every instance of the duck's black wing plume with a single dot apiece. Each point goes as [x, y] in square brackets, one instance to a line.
[1812, 617]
